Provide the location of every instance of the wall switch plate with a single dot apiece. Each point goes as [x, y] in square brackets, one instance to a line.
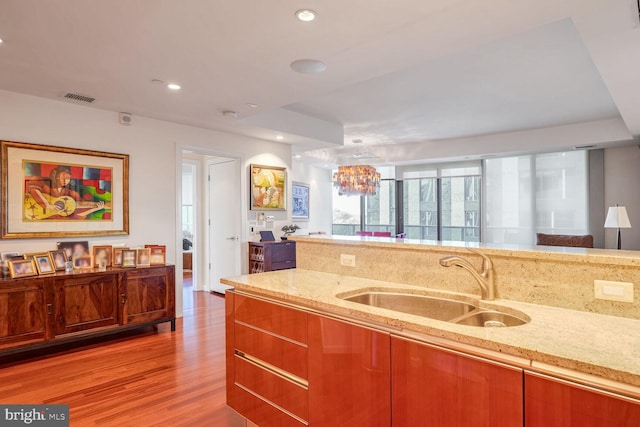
[613, 291]
[348, 260]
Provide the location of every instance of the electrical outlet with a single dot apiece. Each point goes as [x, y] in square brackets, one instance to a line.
[348, 260]
[613, 291]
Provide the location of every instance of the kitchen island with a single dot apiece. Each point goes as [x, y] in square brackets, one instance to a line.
[564, 364]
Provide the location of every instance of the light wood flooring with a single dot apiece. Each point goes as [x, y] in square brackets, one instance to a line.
[153, 378]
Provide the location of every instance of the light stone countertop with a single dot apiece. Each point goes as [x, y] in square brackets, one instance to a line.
[604, 346]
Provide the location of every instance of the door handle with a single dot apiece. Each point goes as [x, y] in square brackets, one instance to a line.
[232, 238]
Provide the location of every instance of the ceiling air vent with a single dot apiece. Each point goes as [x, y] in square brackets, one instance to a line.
[79, 98]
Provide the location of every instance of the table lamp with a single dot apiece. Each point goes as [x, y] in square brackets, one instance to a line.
[617, 218]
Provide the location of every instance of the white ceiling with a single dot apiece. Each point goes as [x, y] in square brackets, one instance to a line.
[421, 75]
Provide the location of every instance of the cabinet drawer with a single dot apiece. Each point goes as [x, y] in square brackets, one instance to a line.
[279, 320]
[275, 351]
[281, 391]
[283, 252]
[261, 412]
[283, 265]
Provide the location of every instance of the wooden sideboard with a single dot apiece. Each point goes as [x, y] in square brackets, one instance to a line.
[271, 256]
[41, 311]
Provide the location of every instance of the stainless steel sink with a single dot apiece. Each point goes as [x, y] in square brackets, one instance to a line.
[490, 319]
[438, 308]
[420, 305]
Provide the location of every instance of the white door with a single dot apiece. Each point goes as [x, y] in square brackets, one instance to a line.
[224, 222]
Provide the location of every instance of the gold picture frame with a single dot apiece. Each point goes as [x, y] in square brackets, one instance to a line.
[50, 191]
[59, 258]
[143, 257]
[22, 268]
[44, 263]
[83, 262]
[267, 188]
[104, 254]
[116, 260]
[128, 258]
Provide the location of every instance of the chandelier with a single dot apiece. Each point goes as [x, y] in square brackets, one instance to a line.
[359, 180]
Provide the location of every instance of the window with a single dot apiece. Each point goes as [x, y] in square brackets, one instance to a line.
[545, 193]
[442, 203]
[380, 210]
[346, 214]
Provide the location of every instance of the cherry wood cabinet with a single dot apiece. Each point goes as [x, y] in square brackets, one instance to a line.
[437, 387]
[349, 374]
[149, 295]
[85, 302]
[42, 311]
[23, 313]
[266, 346]
[554, 402]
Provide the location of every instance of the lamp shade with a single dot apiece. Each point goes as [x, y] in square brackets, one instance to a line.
[617, 218]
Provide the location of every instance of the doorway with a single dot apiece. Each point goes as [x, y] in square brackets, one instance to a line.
[211, 222]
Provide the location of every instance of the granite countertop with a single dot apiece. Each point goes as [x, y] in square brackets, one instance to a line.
[606, 347]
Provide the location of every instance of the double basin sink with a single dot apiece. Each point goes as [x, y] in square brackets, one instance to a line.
[461, 312]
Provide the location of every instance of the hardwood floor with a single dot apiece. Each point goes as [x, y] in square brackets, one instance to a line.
[152, 378]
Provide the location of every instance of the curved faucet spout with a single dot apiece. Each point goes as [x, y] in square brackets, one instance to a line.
[484, 277]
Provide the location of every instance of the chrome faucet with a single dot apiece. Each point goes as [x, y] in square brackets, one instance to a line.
[484, 277]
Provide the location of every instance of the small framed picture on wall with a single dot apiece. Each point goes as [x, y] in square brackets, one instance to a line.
[300, 201]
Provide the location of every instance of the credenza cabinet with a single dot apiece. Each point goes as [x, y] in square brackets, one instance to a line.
[46, 310]
[271, 256]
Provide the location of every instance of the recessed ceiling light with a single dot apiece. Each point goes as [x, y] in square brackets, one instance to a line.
[306, 15]
[252, 105]
[173, 86]
[1, 41]
[298, 156]
[279, 137]
[308, 66]
[230, 113]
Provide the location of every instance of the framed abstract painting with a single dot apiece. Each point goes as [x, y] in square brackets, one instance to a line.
[268, 187]
[52, 191]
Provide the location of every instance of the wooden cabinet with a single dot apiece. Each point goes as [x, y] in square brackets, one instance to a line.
[349, 374]
[271, 256]
[437, 387]
[41, 311]
[85, 302]
[149, 295]
[23, 313]
[554, 402]
[289, 367]
[266, 361]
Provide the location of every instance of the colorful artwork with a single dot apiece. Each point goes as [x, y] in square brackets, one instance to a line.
[54, 192]
[268, 185]
[65, 192]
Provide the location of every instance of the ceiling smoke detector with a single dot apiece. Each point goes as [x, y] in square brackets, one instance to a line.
[230, 113]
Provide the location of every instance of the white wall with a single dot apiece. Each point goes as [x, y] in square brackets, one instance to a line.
[621, 181]
[154, 148]
[320, 204]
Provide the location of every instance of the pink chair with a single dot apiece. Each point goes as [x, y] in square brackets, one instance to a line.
[382, 233]
[364, 233]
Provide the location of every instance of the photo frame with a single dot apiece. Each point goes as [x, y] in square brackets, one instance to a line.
[50, 191]
[82, 262]
[143, 257]
[102, 256]
[74, 249]
[157, 254]
[6, 256]
[44, 263]
[128, 258]
[267, 188]
[116, 260]
[59, 258]
[300, 201]
[22, 268]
